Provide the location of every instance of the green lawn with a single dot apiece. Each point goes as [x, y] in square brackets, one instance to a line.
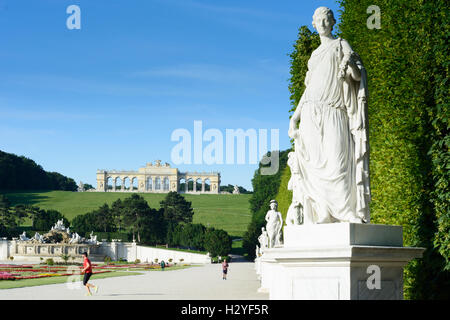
[9, 284]
[228, 212]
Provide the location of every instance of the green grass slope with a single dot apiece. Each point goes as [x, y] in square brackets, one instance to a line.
[228, 212]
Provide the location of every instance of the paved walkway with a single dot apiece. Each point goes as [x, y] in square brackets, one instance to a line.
[195, 283]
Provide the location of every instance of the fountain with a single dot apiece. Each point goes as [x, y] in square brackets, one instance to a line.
[55, 244]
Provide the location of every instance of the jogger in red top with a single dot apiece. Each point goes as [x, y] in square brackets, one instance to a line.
[87, 270]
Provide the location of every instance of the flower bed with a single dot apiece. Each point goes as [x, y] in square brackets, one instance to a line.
[19, 272]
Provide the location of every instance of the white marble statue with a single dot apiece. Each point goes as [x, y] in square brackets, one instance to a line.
[263, 240]
[23, 237]
[274, 224]
[295, 212]
[236, 190]
[331, 142]
[39, 238]
[59, 226]
[75, 239]
[92, 238]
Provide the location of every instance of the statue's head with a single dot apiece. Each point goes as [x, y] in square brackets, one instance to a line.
[323, 20]
[273, 204]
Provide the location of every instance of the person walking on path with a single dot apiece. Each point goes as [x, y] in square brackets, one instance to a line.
[87, 270]
[224, 269]
[163, 265]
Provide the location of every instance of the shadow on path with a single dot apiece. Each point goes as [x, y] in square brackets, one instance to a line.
[130, 294]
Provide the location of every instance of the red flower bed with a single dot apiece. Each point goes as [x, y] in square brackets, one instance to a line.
[41, 272]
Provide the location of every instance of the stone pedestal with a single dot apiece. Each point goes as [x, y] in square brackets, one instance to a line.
[339, 261]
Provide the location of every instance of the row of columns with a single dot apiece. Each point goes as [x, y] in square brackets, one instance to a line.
[162, 184]
[186, 186]
[123, 183]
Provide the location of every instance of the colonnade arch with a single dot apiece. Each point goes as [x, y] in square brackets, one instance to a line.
[157, 178]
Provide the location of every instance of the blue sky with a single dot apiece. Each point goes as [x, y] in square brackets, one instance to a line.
[108, 96]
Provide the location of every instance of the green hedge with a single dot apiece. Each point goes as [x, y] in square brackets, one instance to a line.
[407, 64]
[265, 189]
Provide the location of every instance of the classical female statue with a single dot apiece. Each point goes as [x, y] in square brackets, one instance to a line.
[263, 240]
[331, 141]
[274, 223]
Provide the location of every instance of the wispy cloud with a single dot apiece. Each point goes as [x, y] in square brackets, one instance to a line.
[44, 115]
[121, 87]
[198, 72]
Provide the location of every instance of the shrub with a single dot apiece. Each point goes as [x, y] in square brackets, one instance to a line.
[107, 259]
[217, 242]
[65, 257]
[50, 262]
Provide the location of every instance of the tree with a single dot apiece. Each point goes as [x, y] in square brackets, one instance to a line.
[265, 188]
[117, 209]
[152, 226]
[46, 219]
[135, 209]
[88, 186]
[230, 188]
[21, 173]
[104, 219]
[217, 242]
[7, 220]
[176, 208]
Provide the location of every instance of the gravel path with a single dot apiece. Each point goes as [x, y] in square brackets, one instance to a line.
[195, 283]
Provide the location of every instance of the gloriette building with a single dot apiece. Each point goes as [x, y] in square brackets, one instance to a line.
[158, 178]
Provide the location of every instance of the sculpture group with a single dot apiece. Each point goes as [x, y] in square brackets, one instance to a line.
[59, 234]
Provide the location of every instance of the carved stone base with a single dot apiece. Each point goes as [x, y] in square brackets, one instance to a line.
[337, 261]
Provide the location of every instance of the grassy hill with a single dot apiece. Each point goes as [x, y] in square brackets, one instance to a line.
[228, 212]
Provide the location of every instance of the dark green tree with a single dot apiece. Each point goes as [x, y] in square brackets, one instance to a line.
[134, 212]
[217, 242]
[104, 219]
[46, 219]
[265, 188]
[117, 210]
[176, 208]
[153, 227]
[21, 173]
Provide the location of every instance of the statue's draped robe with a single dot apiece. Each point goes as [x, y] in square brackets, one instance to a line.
[332, 148]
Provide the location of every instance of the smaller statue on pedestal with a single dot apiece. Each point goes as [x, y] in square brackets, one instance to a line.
[263, 240]
[295, 212]
[274, 224]
[23, 237]
[75, 238]
[38, 238]
[92, 238]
